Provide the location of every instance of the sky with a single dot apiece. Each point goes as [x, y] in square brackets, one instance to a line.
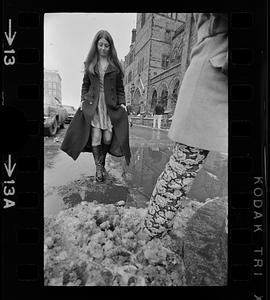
[68, 38]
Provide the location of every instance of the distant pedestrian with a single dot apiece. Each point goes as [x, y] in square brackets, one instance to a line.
[158, 114]
[199, 125]
[100, 125]
[129, 111]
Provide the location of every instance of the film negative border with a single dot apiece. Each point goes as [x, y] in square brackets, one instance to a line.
[247, 193]
[22, 161]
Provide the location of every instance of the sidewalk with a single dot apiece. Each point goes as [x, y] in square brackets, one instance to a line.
[145, 126]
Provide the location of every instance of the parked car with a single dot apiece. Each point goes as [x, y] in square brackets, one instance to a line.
[54, 115]
[71, 112]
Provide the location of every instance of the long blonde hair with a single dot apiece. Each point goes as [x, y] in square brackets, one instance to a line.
[92, 57]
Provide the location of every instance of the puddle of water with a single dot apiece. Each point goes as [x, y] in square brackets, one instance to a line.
[67, 183]
[146, 165]
[84, 189]
[53, 204]
[110, 194]
[63, 169]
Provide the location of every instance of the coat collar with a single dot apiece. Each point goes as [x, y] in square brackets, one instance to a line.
[109, 69]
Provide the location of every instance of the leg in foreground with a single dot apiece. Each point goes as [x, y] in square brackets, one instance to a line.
[172, 185]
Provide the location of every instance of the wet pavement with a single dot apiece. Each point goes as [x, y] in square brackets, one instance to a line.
[68, 182]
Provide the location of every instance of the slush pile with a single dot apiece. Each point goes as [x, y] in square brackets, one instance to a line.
[96, 245]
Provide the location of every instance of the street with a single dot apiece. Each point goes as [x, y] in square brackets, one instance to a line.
[68, 182]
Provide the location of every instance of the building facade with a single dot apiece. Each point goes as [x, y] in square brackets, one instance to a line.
[52, 84]
[158, 57]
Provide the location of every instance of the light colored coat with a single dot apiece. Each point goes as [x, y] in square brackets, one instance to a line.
[201, 115]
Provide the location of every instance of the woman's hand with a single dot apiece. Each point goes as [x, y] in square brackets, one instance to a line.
[123, 105]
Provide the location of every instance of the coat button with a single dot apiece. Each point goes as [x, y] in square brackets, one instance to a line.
[90, 102]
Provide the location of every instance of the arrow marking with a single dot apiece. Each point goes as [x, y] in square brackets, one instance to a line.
[10, 37]
[10, 168]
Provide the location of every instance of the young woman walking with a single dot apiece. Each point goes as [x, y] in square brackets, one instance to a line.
[100, 125]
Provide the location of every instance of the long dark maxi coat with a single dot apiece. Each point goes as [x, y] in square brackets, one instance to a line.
[78, 135]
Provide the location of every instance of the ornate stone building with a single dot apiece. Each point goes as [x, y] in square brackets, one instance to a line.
[158, 57]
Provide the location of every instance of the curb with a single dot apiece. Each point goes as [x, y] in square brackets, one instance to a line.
[144, 126]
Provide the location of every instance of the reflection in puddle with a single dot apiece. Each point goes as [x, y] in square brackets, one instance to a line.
[109, 195]
[146, 165]
[134, 185]
[68, 182]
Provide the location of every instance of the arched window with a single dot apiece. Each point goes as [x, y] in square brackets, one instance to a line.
[129, 76]
[136, 101]
[167, 35]
[179, 53]
[164, 98]
[164, 61]
[174, 56]
[140, 65]
[143, 19]
[175, 92]
[154, 99]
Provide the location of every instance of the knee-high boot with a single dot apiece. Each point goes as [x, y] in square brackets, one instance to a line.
[97, 153]
[105, 149]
